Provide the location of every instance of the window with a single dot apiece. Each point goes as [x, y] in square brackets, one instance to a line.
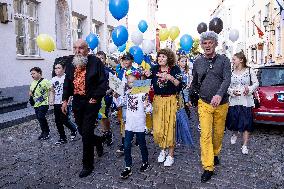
[96, 29]
[279, 38]
[248, 28]
[77, 28]
[26, 27]
[259, 19]
[267, 7]
[109, 35]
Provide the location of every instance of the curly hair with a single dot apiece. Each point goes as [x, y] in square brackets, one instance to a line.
[171, 57]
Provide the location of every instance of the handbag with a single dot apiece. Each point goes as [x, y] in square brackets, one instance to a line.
[256, 102]
[194, 95]
[31, 100]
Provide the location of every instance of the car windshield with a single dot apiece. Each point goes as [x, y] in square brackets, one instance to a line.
[271, 76]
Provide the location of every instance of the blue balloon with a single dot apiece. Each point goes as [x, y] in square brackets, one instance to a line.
[118, 8]
[122, 47]
[143, 26]
[137, 53]
[119, 35]
[92, 40]
[186, 42]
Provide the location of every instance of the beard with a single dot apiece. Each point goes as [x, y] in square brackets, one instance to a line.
[80, 60]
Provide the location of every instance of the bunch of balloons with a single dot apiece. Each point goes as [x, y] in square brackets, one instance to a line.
[173, 33]
[45, 42]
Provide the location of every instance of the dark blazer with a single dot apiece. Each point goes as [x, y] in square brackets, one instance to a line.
[96, 81]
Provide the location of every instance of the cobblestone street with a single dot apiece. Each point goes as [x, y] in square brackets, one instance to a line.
[29, 163]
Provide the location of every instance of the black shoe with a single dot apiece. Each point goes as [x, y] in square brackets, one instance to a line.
[40, 136]
[206, 176]
[216, 160]
[126, 173]
[85, 172]
[61, 141]
[144, 167]
[100, 148]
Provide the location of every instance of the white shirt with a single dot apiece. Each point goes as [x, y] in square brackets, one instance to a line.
[135, 111]
[57, 83]
[238, 82]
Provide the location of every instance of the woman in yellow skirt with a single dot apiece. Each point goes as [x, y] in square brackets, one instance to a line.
[166, 81]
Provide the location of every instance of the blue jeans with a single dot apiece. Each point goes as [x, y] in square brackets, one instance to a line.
[41, 112]
[128, 143]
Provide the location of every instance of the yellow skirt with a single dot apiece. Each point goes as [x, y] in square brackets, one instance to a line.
[164, 120]
[149, 121]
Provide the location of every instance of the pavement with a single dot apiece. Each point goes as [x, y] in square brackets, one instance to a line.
[27, 163]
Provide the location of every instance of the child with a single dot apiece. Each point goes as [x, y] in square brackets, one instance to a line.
[57, 91]
[135, 121]
[183, 133]
[39, 92]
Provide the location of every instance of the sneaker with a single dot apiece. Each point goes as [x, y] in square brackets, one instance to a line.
[245, 149]
[169, 161]
[234, 139]
[126, 173]
[206, 176]
[73, 135]
[40, 136]
[120, 149]
[61, 141]
[162, 156]
[85, 172]
[199, 128]
[144, 167]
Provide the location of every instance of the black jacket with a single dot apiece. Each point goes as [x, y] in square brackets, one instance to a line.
[96, 81]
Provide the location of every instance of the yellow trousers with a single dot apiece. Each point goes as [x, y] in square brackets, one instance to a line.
[212, 123]
[149, 122]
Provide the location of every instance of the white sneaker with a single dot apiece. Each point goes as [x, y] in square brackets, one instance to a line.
[245, 149]
[162, 156]
[169, 161]
[234, 139]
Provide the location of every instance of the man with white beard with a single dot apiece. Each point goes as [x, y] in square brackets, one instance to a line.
[85, 81]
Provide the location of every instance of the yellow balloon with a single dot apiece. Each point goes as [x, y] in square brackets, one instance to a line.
[145, 65]
[45, 42]
[164, 34]
[129, 44]
[174, 32]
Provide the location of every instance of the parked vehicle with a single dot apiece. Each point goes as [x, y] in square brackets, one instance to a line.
[269, 97]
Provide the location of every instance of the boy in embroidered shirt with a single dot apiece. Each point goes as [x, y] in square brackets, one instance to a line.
[135, 121]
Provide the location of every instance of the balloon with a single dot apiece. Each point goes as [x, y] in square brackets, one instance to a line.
[142, 26]
[145, 65]
[186, 42]
[234, 35]
[129, 44]
[202, 27]
[137, 53]
[119, 35]
[137, 37]
[174, 32]
[45, 42]
[118, 8]
[112, 48]
[164, 34]
[92, 40]
[122, 47]
[216, 25]
[147, 46]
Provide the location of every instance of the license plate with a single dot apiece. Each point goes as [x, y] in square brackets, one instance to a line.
[280, 97]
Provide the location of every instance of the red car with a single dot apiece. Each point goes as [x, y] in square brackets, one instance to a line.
[269, 97]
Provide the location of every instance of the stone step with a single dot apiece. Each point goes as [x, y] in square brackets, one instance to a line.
[5, 100]
[12, 106]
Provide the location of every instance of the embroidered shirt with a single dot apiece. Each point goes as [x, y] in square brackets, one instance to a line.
[79, 81]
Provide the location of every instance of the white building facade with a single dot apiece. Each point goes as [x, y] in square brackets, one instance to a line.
[232, 13]
[64, 20]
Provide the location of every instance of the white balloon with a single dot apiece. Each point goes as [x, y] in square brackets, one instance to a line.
[234, 35]
[147, 46]
[137, 37]
[112, 48]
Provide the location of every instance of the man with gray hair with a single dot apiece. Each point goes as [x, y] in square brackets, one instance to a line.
[85, 80]
[211, 79]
